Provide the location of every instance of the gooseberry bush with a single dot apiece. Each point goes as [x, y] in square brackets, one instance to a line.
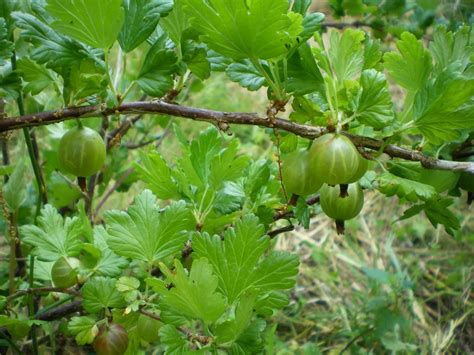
[191, 264]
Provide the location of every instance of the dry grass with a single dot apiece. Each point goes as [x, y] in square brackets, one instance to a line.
[329, 305]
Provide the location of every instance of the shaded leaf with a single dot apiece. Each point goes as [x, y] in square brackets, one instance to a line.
[141, 19]
[96, 23]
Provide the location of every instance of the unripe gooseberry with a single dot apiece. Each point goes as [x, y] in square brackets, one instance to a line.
[111, 340]
[81, 152]
[148, 328]
[335, 158]
[341, 208]
[64, 272]
[296, 175]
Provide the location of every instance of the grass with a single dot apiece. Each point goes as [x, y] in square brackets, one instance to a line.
[383, 286]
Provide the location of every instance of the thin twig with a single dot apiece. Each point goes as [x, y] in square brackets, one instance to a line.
[289, 214]
[30, 291]
[132, 146]
[272, 234]
[109, 193]
[188, 332]
[62, 311]
[43, 197]
[4, 140]
[127, 173]
[219, 118]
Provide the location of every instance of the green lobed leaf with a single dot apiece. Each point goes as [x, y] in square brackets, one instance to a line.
[246, 75]
[6, 9]
[193, 296]
[346, 53]
[36, 76]
[302, 213]
[251, 340]
[145, 233]
[227, 165]
[195, 56]
[84, 329]
[437, 212]
[373, 106]
[311, 24]
[411, 67]
[230, 330]
[242, 30]
[154, 171]
[236, 260]
[109, 264]
[410, 190]
[304, 76]
[6, 47]
[372, 52]
[444, 108]
[448, 47]
[219, 63]
[141, 19]
[10, 84]
[61, 192]
[268, 303]
[87, 79]
[54, 236]
[100, 293]
[96, 23]
[176, 23]
[202, 151]
[14, 191]
[301, 6]
[57, 51]
[155, 77]
[277, 271]
[174, 341]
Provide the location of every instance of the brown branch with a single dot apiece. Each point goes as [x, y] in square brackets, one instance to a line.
[114, 137]
[342, 25]
[188, 332]
[219, 118]
[289, 214]
[126, 174]
[132, 146]
[109, 193]
[41, 290]
[61, 311]
[272, 234]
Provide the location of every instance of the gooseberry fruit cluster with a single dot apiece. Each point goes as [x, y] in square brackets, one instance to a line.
[334, 165]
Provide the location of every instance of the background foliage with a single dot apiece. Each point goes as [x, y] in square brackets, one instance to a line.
[400, 280]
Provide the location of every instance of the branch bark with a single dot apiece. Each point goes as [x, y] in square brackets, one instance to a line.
[222, 120]
[61, 311]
